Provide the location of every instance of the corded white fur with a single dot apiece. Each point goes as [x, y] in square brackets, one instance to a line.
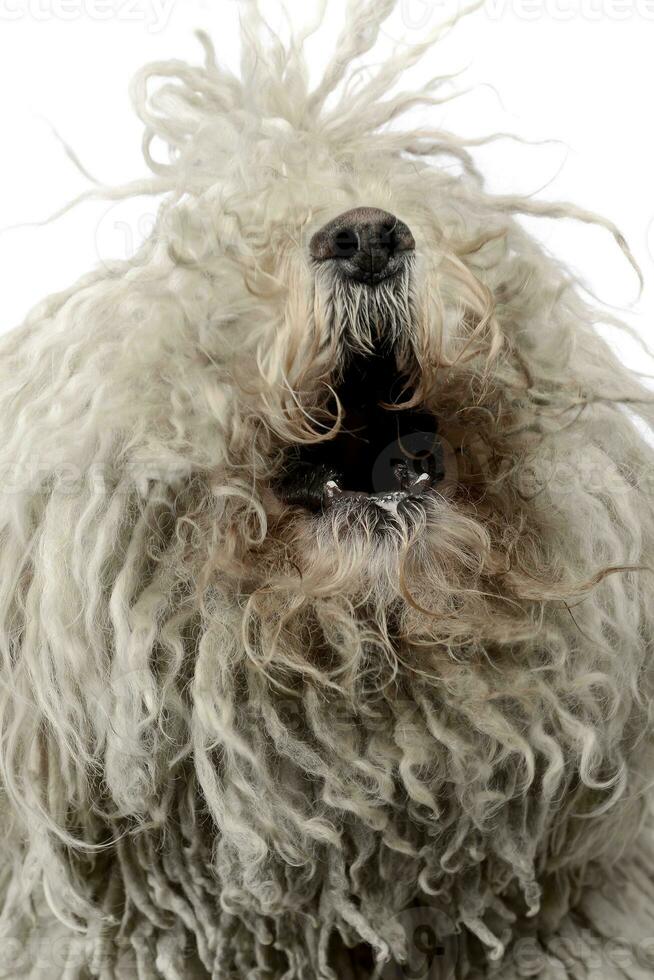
[239, 742]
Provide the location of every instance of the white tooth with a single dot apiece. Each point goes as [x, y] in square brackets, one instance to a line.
[420, 479]
[332, 488]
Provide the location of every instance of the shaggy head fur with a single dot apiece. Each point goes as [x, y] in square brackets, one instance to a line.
[245, 731]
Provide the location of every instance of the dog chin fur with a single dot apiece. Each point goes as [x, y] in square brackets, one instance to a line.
[241, 740]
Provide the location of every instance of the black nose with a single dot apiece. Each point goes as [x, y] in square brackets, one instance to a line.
[368, 244]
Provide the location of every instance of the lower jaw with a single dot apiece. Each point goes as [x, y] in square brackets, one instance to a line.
[397, 504]
[335, 498]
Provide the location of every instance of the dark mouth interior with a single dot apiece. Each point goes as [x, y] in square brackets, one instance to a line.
[380, 454]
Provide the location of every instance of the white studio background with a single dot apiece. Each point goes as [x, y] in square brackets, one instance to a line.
[577, 72]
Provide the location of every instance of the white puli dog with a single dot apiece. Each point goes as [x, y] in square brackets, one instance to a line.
[326, 544]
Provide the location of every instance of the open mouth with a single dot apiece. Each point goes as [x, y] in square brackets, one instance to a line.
[382, 456]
